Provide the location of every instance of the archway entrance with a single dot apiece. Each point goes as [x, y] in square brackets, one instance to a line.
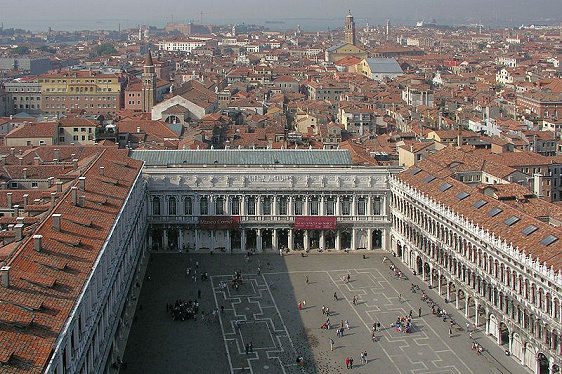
[298, 240]
[542, 364]
[504, 334]
[329, 240]
[235, 239]
[345, 238]
[283, 239]
[493, 326]
[419, 265]
[376, 237]
[267, 239]
[398, 249]
[251, 240]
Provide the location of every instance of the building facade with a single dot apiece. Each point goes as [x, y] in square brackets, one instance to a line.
[280, 204]
[496, 264]
[25, 95]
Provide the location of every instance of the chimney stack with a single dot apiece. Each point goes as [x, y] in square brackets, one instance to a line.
[37, 241]
[82, 183]
[53, 197]
[18, 229]
[138, 129]
[12, 151]
[82, 201]
[25, 200]
[5, 274]
[59, 186]
[16, 210]
[102, 169]
[56, 155]
[9, 198]
[56, 221]
[36, 160]
[24, 173]
[74, 191]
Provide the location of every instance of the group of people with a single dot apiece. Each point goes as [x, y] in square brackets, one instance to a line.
[183, 310]
[403, 324]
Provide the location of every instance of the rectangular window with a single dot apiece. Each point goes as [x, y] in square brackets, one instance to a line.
[283, 206]
[267, 206]
[204, 206]
[235, 206]
[219, 206]
[346, 206]
[251, 206]
[298, 206]
[377, 206]
[361, 207]
[330, 206]
[314, 204]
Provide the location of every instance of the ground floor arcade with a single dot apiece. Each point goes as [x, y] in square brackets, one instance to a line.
[486, 307]
[261, 239]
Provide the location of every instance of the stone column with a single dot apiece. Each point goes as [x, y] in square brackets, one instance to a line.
[243, 206]
[290, 205]
[165, 239]
[228, 241]
[259, 244]
[353, 206]
[243, 240]
[338, 240]
[149, 239]
[274, 207]
[213, 240]
[274, 240]
[370, 239]
[196, 239]
[306, 241]
[290, 240]
[322, 205]
[259, 207]
[338, 205]
[180, 239]
[476, 312]
[353, 243]
[227, 202]
[306, 207]
[369, 205]
[466, 307]
[439, 282]
[322, 243]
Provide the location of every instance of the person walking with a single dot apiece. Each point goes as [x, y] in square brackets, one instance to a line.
[400, 297]
[335, 296]
[351, 362]
[347, 362]
[346, 324]
[307, 279]
[362, 358]
[365, 356]
[354, 300]
[419, 312]
[331, 344]
[450, 331]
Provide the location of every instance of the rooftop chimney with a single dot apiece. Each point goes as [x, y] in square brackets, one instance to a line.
[36, 160]
[56, 155]
[82, 183]
[59, 186]
[5, 274]
[9, 198]
[51, 181]
[18, 229]
[24, 173]
[102, 169]
[138, 129]
[74, 191]
[53, 197]
[56, 221]
[16, 210]
[37, 241]
[25, 200]
[82, 201]
[12, 150]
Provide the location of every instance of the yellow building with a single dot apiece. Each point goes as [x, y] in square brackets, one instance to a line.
[93, 92]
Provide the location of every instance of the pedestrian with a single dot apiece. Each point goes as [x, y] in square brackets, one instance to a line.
[304, 304]
[374, 326]
[348, 277]
[410, 315]
[354, 300]
[351, 362]
[331, 344]
[247, 348]
[347, 324]
[467, 326]
[347, 362]
[400, 297]
[335, 296]
[419, 312]
[327, 311]
[362, 358]
[373, 336]
[300, 305]
[323, 309]
[259, 270]
[251, 346]
[307, 279]
[197, 264]
[198, 294]
[365, 356]
[379, 326]
[450, 331]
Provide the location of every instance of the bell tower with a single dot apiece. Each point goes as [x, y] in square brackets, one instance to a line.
[349, 29]
[148, 84]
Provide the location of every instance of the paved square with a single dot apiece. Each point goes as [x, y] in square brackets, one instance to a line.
[264, 312]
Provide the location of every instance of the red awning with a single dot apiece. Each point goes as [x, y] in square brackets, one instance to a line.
[315, 223]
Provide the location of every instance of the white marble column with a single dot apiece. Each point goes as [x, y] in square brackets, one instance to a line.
[150, 239]
[259, 205]
[353, 207]
[338, 205]
[243, 208]
[322, 205]
[322, 243]
[274, 207]
[369, 239]
[180, 239]
[353, 235]
[227, 202]
[306, 240]
[369, 205]
[290, 205]
[306, 205]
[243, 240]
[274, 240]
[196, 239]
[228, 246]
[259, 240]
[165, 239]
[290, 240]
[338, 240]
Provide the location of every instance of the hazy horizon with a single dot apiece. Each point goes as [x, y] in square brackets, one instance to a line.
[38, 15]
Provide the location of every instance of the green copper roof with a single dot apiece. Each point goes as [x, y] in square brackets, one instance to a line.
[294, 157]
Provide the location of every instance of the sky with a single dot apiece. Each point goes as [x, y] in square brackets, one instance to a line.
[28, 13]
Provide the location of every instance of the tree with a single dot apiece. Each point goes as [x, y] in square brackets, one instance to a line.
[47, 49]
[104, 49]
[21, 50]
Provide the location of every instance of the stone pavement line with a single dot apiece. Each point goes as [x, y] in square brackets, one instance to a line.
[222, 328]
[277, 333]
[364, 323]
[429, 326]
